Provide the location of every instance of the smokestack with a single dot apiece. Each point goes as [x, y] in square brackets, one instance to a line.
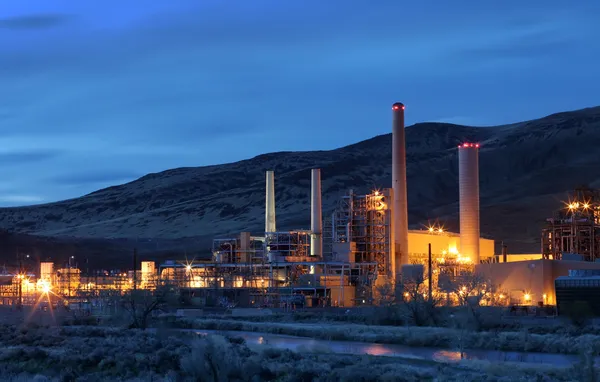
[316, 214]
[270, 203]
[400, 205]
[468, 187]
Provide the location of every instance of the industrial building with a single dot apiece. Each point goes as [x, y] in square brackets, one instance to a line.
[574, 229]
[578, 293]
[364, 242]
[347, 254]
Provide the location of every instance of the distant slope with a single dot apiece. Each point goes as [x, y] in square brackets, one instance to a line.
[525, 170]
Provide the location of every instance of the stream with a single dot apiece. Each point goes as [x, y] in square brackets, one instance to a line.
[360, 348]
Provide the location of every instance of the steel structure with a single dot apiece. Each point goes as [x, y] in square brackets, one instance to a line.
[364, 221]
[575, 229]
[267, 284]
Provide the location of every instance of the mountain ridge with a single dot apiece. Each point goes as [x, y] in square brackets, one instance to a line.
[518, 162]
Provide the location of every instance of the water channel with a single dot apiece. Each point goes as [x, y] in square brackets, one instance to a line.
[360, 348]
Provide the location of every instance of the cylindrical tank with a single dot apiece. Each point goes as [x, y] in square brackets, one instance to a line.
[400, 205]
[468, 187]
[270, 203]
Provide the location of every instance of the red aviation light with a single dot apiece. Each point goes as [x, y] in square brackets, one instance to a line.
[474, 145]
[397, 106]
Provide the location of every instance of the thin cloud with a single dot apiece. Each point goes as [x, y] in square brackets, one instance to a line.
[22, 157]
[20, 199]
[35, 21]
[157, 86]
[95, 177]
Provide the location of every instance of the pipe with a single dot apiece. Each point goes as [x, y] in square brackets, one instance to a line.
[468, 187]
[316, 214]
[400, 205]
[270, 203]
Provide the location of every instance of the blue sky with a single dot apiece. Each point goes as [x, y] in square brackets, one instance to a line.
[99, 92]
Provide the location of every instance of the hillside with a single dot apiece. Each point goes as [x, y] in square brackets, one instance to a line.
[526, 169]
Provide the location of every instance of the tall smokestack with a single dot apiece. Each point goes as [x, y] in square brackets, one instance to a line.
[468, 187]
[400, 205]
[270, 203]
[316, 214]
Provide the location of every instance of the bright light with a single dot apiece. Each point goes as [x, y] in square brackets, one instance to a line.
[46, 288]
[453, 250]
[440, 230]
[586, 206]
[501, 296]
[376, 193]
[188, 267]
[527, 297]
[431, 229]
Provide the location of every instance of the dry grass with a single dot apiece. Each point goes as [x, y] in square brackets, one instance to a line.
[99, 354]
[521, 341]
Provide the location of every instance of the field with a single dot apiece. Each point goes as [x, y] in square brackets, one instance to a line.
[56, 347]
[43, 353]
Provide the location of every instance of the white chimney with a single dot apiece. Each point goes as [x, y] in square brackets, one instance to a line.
[270, 203]
[400, 205]
[468, 188]
[316, 214]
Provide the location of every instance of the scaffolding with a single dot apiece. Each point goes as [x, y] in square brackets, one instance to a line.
[365, 221]
[575, 229]
[287, 244]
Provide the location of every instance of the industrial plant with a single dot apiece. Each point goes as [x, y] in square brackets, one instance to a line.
[349, 254]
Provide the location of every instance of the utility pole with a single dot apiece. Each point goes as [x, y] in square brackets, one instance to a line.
[134, 269]
[430, 276]
[20, 278]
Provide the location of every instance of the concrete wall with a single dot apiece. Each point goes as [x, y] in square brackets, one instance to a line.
[418, 241]
[517, 278]
[535, 277]
[520, 257]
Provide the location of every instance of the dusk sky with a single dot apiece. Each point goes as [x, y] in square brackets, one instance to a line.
[99, 92]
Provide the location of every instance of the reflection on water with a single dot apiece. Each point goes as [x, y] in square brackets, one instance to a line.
[376, 349]
[446, 355]
[304, 344]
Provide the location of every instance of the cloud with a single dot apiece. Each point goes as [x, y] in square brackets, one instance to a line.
[35, 21]
[168, 84]
[95, 177]
[23, 157]
[20, 199]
